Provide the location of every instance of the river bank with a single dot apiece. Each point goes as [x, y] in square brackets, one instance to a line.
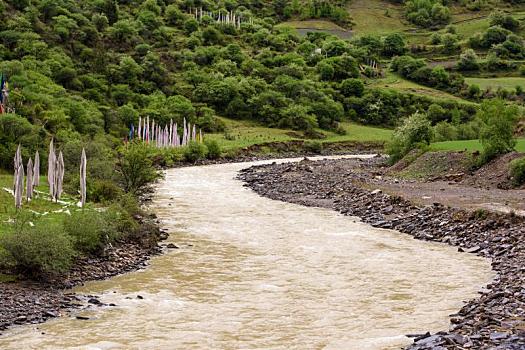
[32, 302]
[496, 319]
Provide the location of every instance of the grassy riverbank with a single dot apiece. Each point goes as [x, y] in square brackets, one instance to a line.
[241, 134]
[39, 204]
[470, 145]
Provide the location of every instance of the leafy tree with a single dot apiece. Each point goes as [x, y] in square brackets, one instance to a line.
[123, 31]
[497, 131]
[468, 61]
[352, 87]
[504, 20]
[450, 42]
[135, 168]
[173, 15]
[394, 45]
[64, 26]
[415, 132]
[129, 71]
[427, 13]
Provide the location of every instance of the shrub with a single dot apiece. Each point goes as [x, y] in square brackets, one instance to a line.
[474, 91]
[195, 151]
[38, 250]
[517, 171]
[497, 130]
[444, 131]
[103, 191]
[415, 132]
[214, 149]
[450, 42]
[136, 168]
[121, 222]
[436, 113]
[504, 20]
[89, 230]
[435, 39]
[352, 87]
[468, 60]
[130, 204]
[313, 146]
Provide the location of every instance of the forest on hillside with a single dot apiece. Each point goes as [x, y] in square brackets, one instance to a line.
[93, 67]
[88, 69]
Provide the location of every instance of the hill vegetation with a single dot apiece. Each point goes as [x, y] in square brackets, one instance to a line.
[82, 72]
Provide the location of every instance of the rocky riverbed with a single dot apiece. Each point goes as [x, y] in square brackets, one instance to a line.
[32, 302]
[494, 320]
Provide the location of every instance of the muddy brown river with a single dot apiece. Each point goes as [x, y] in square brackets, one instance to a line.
[252, 273]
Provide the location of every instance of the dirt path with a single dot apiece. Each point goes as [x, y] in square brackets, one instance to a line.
[455, 195]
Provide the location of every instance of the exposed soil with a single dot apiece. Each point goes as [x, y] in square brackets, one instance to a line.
[494, 320]
[449, 177]
[23, 302]
[495, 174]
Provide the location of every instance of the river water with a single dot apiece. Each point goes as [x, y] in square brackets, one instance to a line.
[252, 273]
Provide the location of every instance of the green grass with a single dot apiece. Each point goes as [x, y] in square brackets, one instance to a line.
[495, 83]
[312, 24]
[39, 204]
[471, 27]
[469, 145]
[361, 133]
[394, 81]
[243, 134]
[376, 17]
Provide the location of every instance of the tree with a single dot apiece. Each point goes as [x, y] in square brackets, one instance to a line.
[136, 168]
[123, 31]
[468, 61]
[497, 130]
[499, 18]
[450, 42]
[173, 14]
[394, 45]
[64, 26]
[129, 71]
[415, 132]
[352, 87]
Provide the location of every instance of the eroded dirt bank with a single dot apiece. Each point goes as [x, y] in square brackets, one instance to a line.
[496, 319]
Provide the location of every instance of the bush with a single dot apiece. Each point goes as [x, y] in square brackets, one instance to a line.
[121, 222]
[103, 191]
[89, 230]
[468, 61]
[444, 131]
[517, 171]
[313, 146]
[415, 132]
[38, 250]
[352, 87]
[214, 150]
[497, 130]
[195, 151]
[136, 168]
